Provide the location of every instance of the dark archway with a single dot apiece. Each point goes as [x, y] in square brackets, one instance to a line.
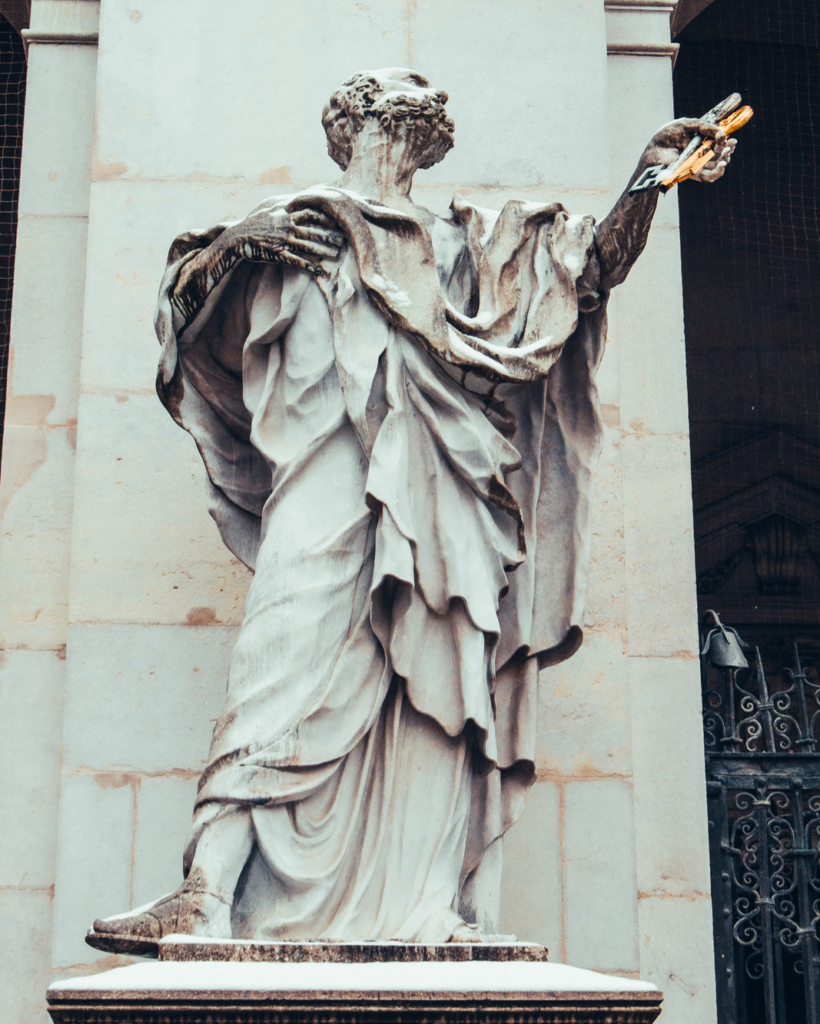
[751, 274]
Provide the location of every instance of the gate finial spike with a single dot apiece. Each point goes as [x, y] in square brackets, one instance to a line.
[798, 671]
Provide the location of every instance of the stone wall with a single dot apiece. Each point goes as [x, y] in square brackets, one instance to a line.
[119, 603]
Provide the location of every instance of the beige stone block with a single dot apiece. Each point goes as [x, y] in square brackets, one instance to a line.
[671, 829]
[659, 546]
[94, 874]
[646, 24]
[35, 534]
[65, 15]
[676, 955]
[144, 698]
[508, 130]
[606, 609]
[134, 226]
[31, 713]
[531, 881]
[25, 936]
[56, 162]
[263, 52]
[164, 809]
[584, 719]
[136, 140]
[640, 101]
[145, 549]
[600, 904]
[608, 379]
[47, 320]
[653, 397]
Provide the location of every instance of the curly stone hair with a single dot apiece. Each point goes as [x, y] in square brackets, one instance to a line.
[358, 98]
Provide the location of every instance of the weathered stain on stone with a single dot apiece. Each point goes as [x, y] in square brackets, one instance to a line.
[112, 780]
[277, 176]
[25, 450]
[201, 617]
[586, 773]
[136, 775]
[101, 171]
[25, 410]
[690, 897]
[105, 963]
[611, 414]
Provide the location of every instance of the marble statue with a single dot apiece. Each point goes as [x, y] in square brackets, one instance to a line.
[398, 417]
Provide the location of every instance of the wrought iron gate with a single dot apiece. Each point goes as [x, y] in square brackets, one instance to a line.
[763, 784]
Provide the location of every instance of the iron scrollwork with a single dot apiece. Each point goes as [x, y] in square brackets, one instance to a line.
[763, 778]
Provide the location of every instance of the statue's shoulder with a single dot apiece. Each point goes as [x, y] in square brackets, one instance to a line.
[273, 201]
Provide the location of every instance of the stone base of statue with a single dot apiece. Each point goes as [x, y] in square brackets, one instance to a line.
[213, 982]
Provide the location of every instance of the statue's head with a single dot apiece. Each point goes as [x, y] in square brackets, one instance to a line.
[400, 102]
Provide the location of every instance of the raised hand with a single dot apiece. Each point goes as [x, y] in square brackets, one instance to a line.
[716, 167]
[300, 239]
[670, 141]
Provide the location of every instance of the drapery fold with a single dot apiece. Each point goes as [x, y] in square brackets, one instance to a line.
[526, 280]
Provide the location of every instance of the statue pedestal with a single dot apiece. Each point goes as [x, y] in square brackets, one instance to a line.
[314, 983]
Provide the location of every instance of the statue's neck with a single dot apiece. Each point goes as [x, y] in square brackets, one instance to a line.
[381, 168]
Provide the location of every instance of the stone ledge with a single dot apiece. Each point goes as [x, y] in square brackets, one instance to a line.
[338, 993]
[181, 949]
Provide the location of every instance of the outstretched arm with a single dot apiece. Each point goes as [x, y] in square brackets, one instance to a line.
[300, 240]
[621, 236]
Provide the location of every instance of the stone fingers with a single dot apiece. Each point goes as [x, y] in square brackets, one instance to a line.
[297, 247]
[678, 133]
[716, 167]
[292, 260]
[711, 174]
[309, 216]
[257, 250]
[300, 238]
[315, 234]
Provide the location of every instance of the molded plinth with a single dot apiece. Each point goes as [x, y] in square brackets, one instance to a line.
[457, 991]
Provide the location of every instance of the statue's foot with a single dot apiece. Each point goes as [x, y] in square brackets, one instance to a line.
[465, 932]
[188, 911]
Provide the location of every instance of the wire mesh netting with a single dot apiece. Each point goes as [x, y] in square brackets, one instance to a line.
[12, 97]
[751, 267]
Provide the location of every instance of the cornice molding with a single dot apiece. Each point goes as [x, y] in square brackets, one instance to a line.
[643, 50]
[33, 35]
[654, 6]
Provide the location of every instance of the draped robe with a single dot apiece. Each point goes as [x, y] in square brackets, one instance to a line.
[403, 451]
